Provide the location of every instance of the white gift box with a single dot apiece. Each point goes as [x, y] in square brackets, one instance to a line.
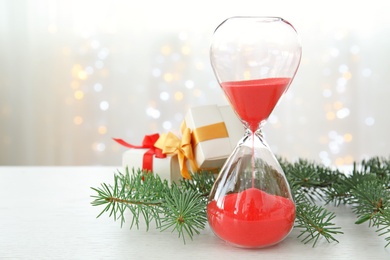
[167, 168]
[211, 154]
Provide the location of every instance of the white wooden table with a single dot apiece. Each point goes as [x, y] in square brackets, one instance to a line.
[45, 213]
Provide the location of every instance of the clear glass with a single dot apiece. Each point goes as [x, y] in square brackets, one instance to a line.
[254, 59]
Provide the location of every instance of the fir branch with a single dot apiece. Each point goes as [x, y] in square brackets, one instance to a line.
[139, 193]
[312, 178]
[309, 183]
[315, 222]
[384, 226]
[370, 194]
[146, 196]
[369, 200]
[182, 207]
[185, 211]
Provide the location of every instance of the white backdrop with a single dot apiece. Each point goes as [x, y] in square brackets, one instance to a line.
[76, 73]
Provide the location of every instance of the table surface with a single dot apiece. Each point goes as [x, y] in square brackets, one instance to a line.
[46, 213]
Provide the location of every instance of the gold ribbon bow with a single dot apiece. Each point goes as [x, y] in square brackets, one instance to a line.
[171, 144]
[184, 147]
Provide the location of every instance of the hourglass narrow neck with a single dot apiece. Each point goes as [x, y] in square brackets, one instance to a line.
[254, 139]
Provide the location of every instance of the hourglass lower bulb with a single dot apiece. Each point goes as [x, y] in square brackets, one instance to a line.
[255, 60]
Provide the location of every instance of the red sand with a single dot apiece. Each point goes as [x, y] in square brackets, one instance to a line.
[252, 218]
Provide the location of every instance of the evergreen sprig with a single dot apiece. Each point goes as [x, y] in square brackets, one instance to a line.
[315, 222]
[182, 207]
[369, 189]
[308, 182]
[366, 188]
[149, 197]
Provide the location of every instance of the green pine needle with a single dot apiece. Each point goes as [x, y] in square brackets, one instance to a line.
[184, 211]
[315, 222]
[149, 198]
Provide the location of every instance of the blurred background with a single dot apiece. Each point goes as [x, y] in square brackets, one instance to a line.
[74, 74]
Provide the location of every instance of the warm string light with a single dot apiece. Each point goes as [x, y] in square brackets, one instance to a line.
[86, 79]
[170, 73]
[338, 114]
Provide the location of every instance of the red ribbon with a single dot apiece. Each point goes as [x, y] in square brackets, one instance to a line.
[148, 142]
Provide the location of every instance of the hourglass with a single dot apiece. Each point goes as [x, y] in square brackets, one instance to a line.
[254, 60]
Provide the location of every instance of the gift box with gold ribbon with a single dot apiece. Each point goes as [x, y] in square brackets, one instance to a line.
[208, 136]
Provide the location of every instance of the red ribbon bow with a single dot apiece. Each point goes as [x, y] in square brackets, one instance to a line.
[148, 142]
